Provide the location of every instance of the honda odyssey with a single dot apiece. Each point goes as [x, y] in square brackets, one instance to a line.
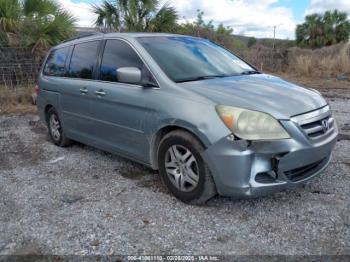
[210, 122]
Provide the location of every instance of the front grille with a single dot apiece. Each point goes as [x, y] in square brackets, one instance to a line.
[316, 124]
[319, 127]
[301, 173]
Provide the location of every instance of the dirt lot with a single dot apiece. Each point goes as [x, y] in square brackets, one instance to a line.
[80, 200]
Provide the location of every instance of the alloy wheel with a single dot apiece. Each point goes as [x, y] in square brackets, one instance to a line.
[55, 127]
[182, 168]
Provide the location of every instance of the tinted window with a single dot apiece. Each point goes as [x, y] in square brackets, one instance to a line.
[186, 58]
[55, 62]
[83, 60]
[118, 54]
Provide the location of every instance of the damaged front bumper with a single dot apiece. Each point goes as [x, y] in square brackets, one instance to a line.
[250, 169]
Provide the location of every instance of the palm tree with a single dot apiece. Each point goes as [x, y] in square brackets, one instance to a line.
[135, 15]
[329, 32]
[45, 24]
[47, 31]
[36, 24]
[321, 30]
[39, 8]
[163, 21]
[10, 13]
[315, 30]
[107, 16]
[341, 26]
[302, 35]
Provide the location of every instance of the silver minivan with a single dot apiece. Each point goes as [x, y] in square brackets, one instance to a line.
[208, 121]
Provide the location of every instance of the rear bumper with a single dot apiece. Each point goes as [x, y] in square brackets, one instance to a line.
[241, 169]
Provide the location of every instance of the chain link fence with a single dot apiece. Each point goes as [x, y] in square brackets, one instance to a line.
[18, 67]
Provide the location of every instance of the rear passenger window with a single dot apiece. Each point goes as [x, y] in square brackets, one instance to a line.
[55, 63]
[83, 60]
[118, 54]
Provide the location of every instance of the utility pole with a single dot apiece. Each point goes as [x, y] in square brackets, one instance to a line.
[274, 36]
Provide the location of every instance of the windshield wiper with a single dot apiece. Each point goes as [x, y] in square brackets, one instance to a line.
[250, 72]
[198, 78]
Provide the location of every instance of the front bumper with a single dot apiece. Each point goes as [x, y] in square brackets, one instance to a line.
[251, 169]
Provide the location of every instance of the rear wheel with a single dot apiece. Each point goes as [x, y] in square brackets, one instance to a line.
[183, 169]
[55, 129]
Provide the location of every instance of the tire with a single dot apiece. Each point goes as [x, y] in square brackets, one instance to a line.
[183, 170]
[55, 129]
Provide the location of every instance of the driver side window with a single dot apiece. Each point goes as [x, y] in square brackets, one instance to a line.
[117, 54]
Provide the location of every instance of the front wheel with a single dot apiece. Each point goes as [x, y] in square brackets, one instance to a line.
[183, 169]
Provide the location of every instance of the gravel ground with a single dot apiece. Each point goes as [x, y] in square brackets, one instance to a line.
[80, 200]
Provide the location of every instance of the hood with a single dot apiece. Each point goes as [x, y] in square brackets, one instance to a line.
[260, 92]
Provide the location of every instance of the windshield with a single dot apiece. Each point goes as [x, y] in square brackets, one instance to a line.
[190, 59]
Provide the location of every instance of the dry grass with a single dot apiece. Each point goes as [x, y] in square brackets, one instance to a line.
[302, 65]
[331, 61]
[325, 62]
[320, 83]
[341, 61]
[16, 101]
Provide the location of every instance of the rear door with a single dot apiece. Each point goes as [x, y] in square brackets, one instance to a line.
[76, 90]
[119, 109]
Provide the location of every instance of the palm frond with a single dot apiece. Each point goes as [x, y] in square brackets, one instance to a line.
[10, 14]
[164, 20]
[39, 8]
[107, 15]
[43, 32]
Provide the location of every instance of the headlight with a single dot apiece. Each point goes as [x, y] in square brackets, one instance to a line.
[251, 125]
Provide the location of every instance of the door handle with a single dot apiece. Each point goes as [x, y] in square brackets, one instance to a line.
[100, 93]
[84, 91]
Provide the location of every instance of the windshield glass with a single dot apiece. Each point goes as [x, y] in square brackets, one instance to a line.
[189, 59]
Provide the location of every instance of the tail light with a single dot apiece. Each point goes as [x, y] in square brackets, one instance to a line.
[35, 93]
[36, 90]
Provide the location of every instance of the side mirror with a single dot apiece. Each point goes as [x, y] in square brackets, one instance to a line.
[129, 75]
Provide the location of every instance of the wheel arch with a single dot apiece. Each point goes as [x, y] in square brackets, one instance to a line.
[164, 130]
[46, 110]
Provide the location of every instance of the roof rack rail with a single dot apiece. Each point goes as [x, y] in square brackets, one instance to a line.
[82, 36]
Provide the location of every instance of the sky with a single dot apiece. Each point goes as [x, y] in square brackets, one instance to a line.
[247, 17]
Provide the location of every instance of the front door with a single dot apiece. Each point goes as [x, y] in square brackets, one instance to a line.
[118, 109]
